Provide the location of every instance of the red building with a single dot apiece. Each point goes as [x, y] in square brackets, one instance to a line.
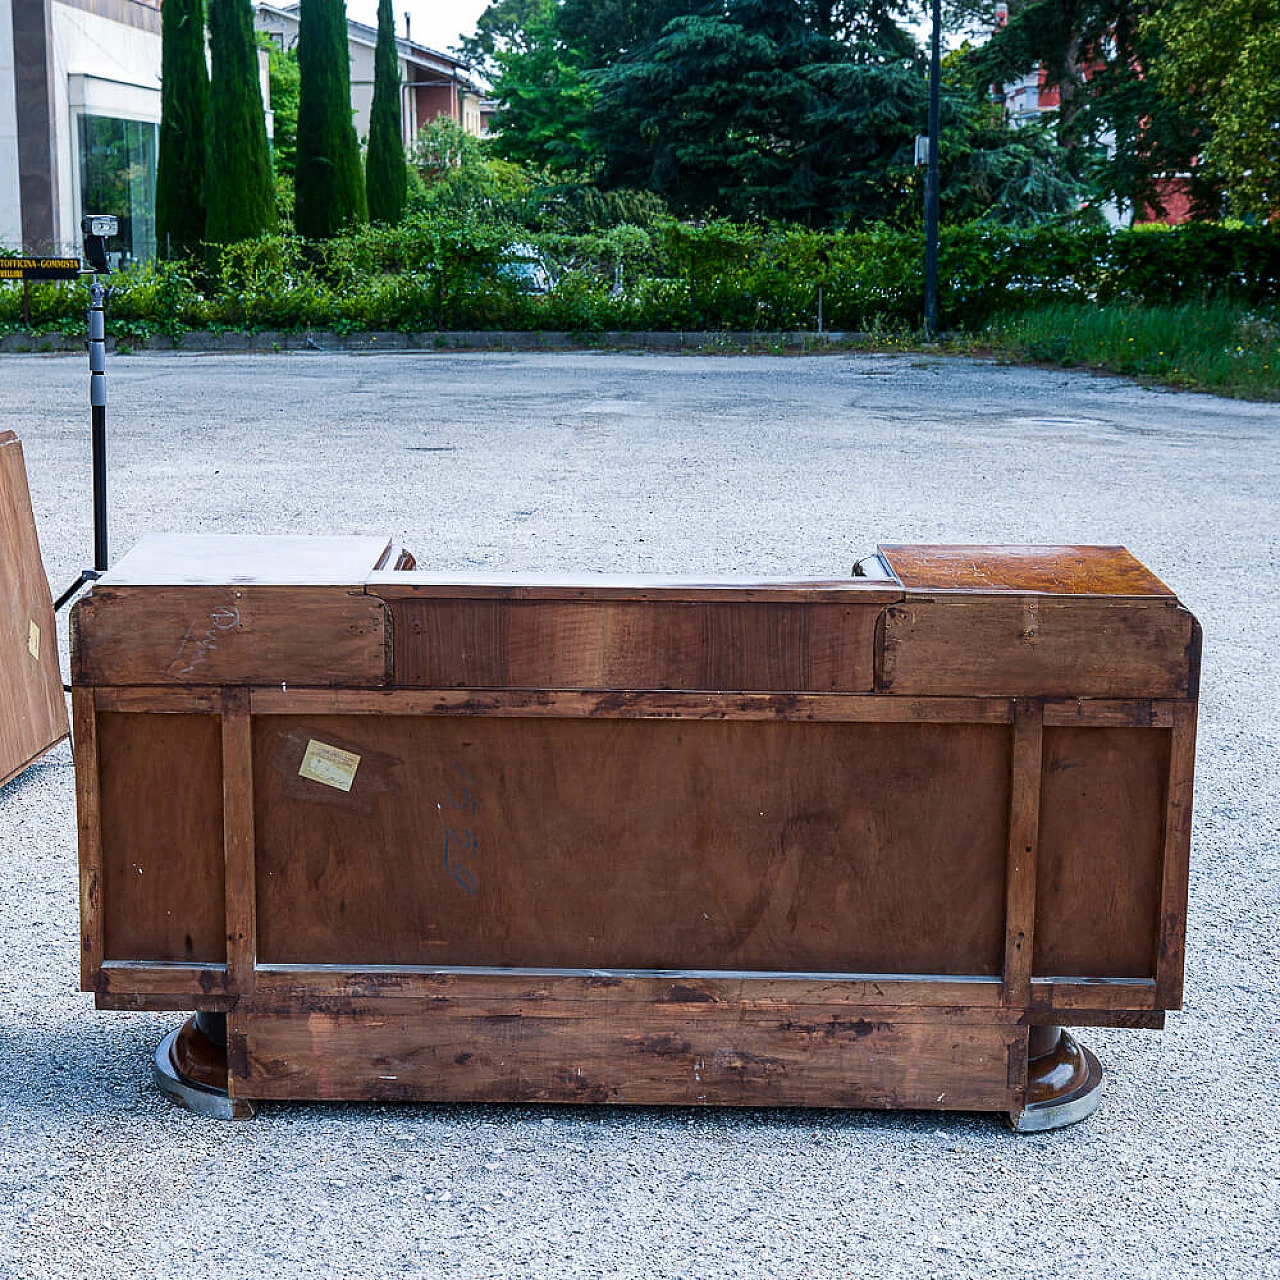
[1033, 96]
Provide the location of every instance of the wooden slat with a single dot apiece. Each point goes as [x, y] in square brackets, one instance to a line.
[320, 636]
[1038, 646]
[1176, 856]
[89, 827]
[604, 588]
[1102, 713]
[159, 701]
[690, 1054]
[1059, 571]
[632, 645]
[1134, 1019]
[853, 708]
[33, 712]
[149, 1002]
[238, 840]
[1064, 995]
[132, 977]
[1020, 869]
[316, 984]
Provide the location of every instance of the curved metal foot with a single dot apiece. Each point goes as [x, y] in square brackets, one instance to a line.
[190, 1067]
[1064, 1082]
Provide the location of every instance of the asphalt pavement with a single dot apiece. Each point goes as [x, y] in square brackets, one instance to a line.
[666, 464]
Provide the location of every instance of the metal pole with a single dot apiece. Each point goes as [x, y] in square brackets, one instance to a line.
[98, 410]
[931, 181]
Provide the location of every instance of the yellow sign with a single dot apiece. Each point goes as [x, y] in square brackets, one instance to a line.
[329, 766]
[39, 268]
[33, 639]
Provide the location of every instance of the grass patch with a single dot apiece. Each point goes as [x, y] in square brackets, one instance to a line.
[1207, 346]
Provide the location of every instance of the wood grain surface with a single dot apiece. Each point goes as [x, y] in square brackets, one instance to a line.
[163, 894]
[642, 841]
[1102, 812]
[1039, 646]
[1059, 571]
[686, 1055]
[873, 848]
[33, 711]
[214, 635]
[561, 704]
[522, 644]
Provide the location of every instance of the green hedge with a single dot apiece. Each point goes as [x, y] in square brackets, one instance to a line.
[446, 272]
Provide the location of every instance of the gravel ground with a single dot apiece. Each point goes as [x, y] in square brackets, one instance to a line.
[664, 464]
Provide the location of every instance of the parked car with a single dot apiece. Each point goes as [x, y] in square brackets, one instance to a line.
[523, 266]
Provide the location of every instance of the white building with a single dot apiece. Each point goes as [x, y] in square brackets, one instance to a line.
[79, 116]
[80, 112]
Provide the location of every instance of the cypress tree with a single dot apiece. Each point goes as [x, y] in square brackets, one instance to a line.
[328, 185]
[384, 169]
[184, 110]
[239, 189]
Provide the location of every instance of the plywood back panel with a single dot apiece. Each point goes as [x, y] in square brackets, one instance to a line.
[792, 647]
[633, 844]
[33, 711]
[161, 804]
[1102, 805]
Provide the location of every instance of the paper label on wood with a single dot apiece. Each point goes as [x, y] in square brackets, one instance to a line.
[330, 766]
[33, 639]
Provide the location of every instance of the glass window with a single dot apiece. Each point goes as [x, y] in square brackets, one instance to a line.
[118, 175]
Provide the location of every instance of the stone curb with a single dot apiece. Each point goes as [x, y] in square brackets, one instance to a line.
[270, 340]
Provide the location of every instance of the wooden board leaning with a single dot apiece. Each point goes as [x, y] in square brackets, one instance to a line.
[33, 710]
[861, 843]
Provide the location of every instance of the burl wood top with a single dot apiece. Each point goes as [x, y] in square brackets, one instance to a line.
[1059, 571]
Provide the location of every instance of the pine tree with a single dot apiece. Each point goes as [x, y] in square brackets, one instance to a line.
[385, 171]
[328, 184]
[765, 109]
[239, 188]
[184, 109]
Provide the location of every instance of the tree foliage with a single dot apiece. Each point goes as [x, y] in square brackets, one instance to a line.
[184, 111]
[1127, 136]
[504, 25]
[1225, 61]
[328, 181]
[283, 79]
[385, 172]
[546, 96]
[454, 172]
[805, 110]
[767, 108]
[239, 188]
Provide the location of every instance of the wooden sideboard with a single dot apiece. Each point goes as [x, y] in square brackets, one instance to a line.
[33, 709]
[868, 842]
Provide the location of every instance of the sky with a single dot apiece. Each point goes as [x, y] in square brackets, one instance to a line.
[436, 23]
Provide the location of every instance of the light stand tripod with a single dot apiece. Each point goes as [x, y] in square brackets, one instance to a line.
[96, 228]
